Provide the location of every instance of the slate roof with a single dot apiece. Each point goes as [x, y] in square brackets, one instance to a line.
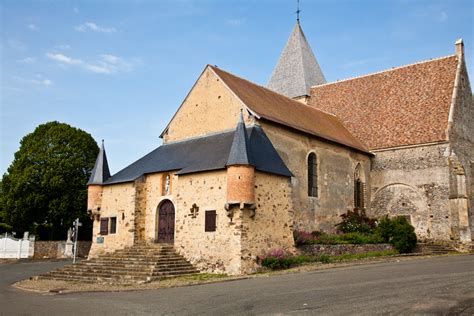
[278, 108]
[101, 172]
[401, 106]
[239, 153]
[297, 69]
[204, 154]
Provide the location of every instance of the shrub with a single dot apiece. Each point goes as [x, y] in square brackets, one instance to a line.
[288, 261]
[324, 258]
[356, 221]
[316, 237]
[327, 239]
[279, 259]
[384, 228]
[359, 238]
[399, 232]
[403, 235]
[302, 237]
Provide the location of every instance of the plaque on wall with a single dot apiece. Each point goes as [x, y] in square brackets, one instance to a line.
[100, 240]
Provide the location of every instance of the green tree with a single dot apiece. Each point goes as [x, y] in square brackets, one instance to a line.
[44, 189]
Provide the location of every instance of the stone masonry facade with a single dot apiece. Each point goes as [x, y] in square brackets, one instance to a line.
[234, 206]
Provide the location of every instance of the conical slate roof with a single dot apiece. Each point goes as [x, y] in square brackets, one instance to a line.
[297, 70]
[101, 172]
[239, 150]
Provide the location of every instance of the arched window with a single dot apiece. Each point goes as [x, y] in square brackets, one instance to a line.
[312, 175]
[359, 188]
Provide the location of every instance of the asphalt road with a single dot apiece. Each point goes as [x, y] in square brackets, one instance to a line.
[440, 285]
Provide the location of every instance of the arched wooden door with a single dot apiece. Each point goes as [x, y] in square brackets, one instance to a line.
[166, 222]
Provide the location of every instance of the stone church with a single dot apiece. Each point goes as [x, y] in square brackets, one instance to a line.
[242, 166]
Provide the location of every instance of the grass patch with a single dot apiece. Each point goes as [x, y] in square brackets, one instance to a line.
[290, 261]
[357, 256]
[203, 277]
[321, 238]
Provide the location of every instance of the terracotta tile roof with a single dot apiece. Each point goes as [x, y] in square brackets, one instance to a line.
[401, 106]
[280, 109]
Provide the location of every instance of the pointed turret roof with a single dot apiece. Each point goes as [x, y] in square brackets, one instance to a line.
[239, 154]
[297, 70]
[101, 172]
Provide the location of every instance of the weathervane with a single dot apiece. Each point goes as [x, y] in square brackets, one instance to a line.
[298, 11]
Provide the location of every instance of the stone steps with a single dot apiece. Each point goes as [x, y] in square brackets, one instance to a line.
[122, 266]
[120, 270]
[143, 258]
[137, 264]
[436, 249]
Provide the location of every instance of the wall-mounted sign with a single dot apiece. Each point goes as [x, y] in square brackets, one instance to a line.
[100, 240]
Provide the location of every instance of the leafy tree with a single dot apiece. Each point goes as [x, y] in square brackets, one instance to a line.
[44, 189]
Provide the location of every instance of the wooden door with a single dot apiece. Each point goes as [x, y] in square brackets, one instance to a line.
[166, 222]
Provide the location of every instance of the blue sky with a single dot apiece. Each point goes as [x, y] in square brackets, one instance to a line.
[120, 69]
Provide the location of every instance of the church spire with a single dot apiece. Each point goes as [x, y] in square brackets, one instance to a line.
[101, 172]
[297, 70]
[239, 150]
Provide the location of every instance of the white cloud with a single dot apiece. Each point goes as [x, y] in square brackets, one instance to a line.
[45, 82]
[64, 59]
[106, 64]
[91, 26]
[62, 46]
[111, 59]
[40, 82]
[236, 22]
[27, 60]
[33, 27]
[98, 69]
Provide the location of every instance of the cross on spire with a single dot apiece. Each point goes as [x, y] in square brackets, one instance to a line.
[298, 11]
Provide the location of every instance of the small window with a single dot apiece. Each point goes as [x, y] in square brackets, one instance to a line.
[104, 226]
[210, 221]
[166, 184]
[359, 188]
[358, 194]
[312, 175]
[113, 225]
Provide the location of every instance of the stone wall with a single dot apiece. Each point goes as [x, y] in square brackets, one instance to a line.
[336, 166]
[217, 251]
[118, 200]
[154, 195]
[336, 250]
[209, 107]
[461, 137]
[414, 182]
[272, 225]
[56, 249]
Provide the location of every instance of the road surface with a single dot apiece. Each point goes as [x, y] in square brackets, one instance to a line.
[438, 285]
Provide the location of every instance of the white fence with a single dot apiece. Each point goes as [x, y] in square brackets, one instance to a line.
[11, 247]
